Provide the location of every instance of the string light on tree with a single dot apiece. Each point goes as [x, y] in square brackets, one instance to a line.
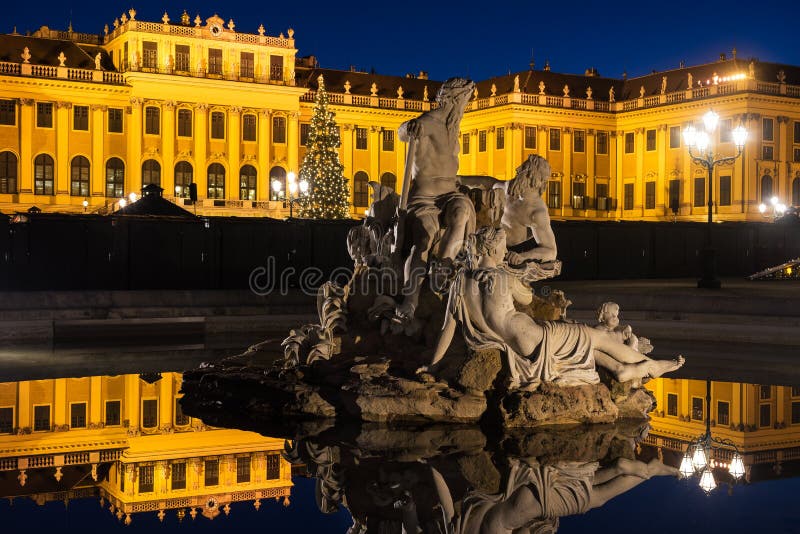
[328, 193]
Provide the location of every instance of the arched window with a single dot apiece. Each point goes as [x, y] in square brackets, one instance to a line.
[115, 178]
[8, 172]
[216, 181]
[247, 183]
[361, 190]
[79, 177]
[389, 180]
[43, 173]
[151, 173]
[766, 188]
[277, 175]
[795, 191]
[184, 175]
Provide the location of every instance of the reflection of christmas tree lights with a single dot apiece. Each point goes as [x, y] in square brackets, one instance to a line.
[329, 195]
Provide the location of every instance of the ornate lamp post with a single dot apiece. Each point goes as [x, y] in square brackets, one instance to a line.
[702, 153]
[293, 186]
[778, 208]
[706, 453]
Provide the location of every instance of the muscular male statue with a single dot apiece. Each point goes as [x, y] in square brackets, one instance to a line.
[434, 201]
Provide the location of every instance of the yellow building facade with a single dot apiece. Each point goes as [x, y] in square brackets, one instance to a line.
[127, 441]
[85, 120]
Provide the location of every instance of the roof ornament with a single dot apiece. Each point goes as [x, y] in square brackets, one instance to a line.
[663, 85]
[566, 91]
[752, 69]
[165, 18]
[197, 20]
[541, 87]
[105, 29]
[26, 55]
[231, 25]
[261, 29]
[589, 93]
[132, 13]
[123, 19]
[547, 65]
[475, 93]
[116, 23]
[781, 76]
[185, 18]
[290, 33]
[61, 59]
[425, 94]
[347, 87]
[611, 94]
[373, 90]
[97, 59]
[690, 80]
[516, 83]
[400, 92]
[641, 92]
[494, 90]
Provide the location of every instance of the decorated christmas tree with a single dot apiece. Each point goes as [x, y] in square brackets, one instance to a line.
[328, 194]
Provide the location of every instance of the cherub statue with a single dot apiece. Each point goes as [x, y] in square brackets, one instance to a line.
[482, 299]
[608, 321]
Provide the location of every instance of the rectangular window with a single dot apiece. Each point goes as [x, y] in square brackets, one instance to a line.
[649, 195]
[674, 136]
[184, 123]
[726, 131]
[796, 139]
[698, 409]
[796, 413]
[602, 142]
[764, 415]
[465, 143]
[149, 55]
[179, 476]
[152, 120]
[767, 153]
[601, 192]
[482, 141]
[628, 199]
[181, 419]
[579, 195]
[797, 155]
[80, 118]
[125, 56]
[650, 137]
[361, 138]
[276, 68]
[765, 392]
[278, 129]
[8, 112]
[699, 192]
[77, 415]
[41, 418]
[114, 120]
[211, 472]
[273, 466]
[242, 469]
[530, 137]
[579, 141]
[217, 125]
[150, 413]
[146, 478]
[672, 404]
[305, 128]
[388, 140]
[215, 61]
[723, 410]
[249, 127]
[44, 114]
[113, 411]
[795, 391]
[674, 195]
[6, 420]
[246, 65]
[554, 194]
[768, 130]
[724, 190]
[182, 58]
[500, 138]
[555, 139]
[629, 143]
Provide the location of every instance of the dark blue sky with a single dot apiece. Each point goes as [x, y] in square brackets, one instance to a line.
[477, 39]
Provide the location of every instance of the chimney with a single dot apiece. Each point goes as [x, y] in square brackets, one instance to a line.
[423, 75]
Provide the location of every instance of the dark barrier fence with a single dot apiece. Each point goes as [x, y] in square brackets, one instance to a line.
[63, 252]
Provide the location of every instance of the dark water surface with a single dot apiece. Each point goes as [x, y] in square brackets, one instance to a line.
[103, 448]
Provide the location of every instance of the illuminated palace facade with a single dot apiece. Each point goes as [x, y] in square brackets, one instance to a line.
[87, 119]
[125, 440]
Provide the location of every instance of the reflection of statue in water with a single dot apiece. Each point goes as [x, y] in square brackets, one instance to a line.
[439, 216]
[482, 301]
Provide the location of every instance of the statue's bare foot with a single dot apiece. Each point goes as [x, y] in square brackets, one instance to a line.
[656, 467]
[660, 367]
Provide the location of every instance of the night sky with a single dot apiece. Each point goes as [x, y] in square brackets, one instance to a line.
[476, 39]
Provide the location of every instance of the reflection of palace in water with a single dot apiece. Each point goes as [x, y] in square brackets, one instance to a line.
[763, 421]
[128, 442]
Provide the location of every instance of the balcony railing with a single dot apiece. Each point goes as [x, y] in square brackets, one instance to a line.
[187, 31]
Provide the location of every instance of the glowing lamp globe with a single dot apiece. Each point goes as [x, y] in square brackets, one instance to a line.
[707, 481]
[710, 121]
[690, 136]
[702, 141]
[277, 186]
[123, 203]
[132, 197]
[736, 468]
[774, 201]
[304, 186]
[686, 467]
[699, 460]
[739, 136]
[762, 208]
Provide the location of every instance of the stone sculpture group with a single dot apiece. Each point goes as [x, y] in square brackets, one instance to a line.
[454, 254]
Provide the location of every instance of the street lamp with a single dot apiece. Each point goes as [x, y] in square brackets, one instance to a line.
[701, 151]
[85, 205]
[706, 453]
[778, 208]
[293, 186]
